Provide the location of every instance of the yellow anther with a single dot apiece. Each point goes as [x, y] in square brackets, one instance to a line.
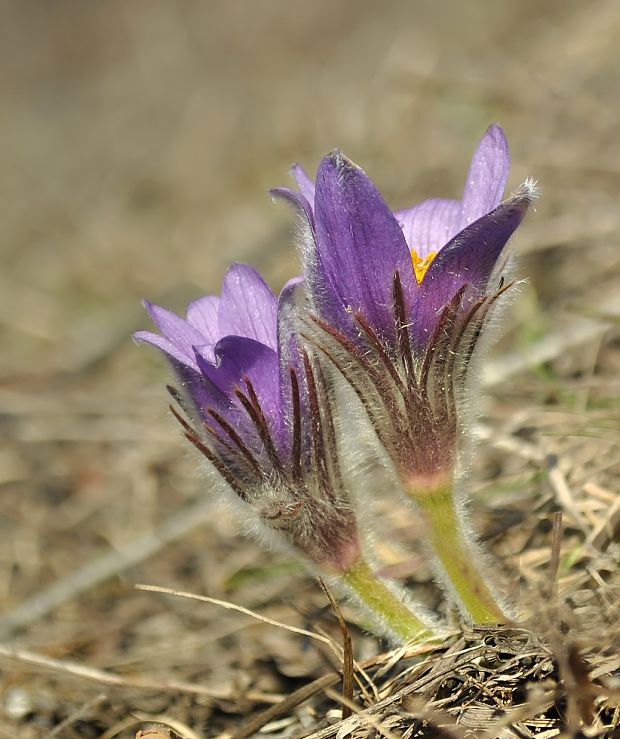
[421, 264]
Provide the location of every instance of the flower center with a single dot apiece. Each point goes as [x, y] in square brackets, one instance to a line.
[421, 264]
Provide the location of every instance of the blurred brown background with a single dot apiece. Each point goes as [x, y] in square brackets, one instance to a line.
[137, 144]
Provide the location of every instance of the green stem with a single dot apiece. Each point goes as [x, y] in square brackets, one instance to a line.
[455, 553]
[384, 605]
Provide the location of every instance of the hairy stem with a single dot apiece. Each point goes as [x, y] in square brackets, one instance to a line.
[384, 606]
[455, 554]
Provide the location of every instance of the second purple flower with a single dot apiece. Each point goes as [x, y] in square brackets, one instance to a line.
[257, 406]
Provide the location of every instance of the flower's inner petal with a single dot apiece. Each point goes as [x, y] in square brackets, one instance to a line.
[304, 183]
[486, 179]
[429, 225]
[421, 264]
[168, 347]
[202, 314]
[247, 306]
[175, 329]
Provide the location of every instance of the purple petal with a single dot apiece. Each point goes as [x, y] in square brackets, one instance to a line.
[429, 225]
[165, 345]
[201, 392]
[304, 183]
[247, 306]
[486, 179]
[291, 303]
[174, 328]
[359, 245]
[319, 285]
[238, 358]
[202, 314]
[468, 259]
[297, 200]
[193, 385]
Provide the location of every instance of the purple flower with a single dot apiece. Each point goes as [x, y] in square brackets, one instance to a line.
[406, 294]
[259, 410]
[398, 304]
[357, 244]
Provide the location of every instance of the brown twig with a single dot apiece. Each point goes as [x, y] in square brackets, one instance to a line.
[554, 561]
[347, 653]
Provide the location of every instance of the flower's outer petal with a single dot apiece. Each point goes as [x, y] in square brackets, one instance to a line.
[318, 282]
[202, 314]
[191, 382]
[486, 179]
[304, 183]
[238, 358]
[176, 329]
[468, 259]
[291, 304]
[429, 225]
[319, 285]
[247, 306]
[297, 200]
[168, 347]
[201, 392]
[359, 244]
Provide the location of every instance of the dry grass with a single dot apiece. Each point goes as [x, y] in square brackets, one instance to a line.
[136, 149]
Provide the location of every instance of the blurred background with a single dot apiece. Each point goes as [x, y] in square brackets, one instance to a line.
[137, 145]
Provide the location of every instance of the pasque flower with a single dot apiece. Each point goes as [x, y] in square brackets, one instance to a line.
[258, 407]
[400, 300]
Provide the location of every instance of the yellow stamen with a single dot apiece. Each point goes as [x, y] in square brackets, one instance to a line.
[421, 264]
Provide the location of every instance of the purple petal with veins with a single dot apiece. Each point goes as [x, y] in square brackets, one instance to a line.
[238, 358]
[487, 176]
[178, 331]
[202, 314]
[247, 306]
[468, 259]
[359, 245]
[304, 183]
[429, 225]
